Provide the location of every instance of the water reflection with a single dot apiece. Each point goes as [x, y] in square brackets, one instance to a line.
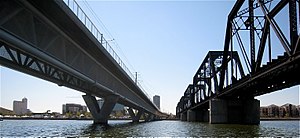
[171, 129]
[94, 129]
[232, 130]
[117, 128]
[112, 129]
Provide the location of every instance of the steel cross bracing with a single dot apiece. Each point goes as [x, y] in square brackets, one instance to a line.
[17, 59]
[207, 79]
[265, 34]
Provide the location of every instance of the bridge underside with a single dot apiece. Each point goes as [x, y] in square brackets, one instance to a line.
[45, 39]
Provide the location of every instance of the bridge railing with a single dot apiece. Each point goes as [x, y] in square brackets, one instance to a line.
[82, 16]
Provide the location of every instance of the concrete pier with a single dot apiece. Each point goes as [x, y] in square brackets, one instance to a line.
[191, 116]
[234, 111]
[252, 111]
[197, 115]
[135, 117]
[202, 115]
[100, 115]
[148, 117]
[183, 116]
[218, 111]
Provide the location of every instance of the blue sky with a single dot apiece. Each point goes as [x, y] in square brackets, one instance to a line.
[164, 41]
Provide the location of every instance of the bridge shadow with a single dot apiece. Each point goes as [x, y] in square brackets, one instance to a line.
[113, 128]
[236, 130]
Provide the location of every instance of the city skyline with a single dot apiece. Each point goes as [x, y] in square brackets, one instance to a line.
[165, 44]
[118, 106]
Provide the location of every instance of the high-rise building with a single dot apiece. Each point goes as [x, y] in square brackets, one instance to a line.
[20, 107]
[156, 100]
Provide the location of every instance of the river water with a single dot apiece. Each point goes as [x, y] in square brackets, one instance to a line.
[71, 128]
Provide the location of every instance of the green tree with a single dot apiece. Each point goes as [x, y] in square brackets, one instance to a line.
[87, 115]
[78, 114]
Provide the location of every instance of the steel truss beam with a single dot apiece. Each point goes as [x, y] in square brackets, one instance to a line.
[18, 60]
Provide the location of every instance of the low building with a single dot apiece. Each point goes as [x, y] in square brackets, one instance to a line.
[263, 111]
[286, 110]
[282, 111]
[290, 110]
[73, 108]
[273, 111]
[298, 110]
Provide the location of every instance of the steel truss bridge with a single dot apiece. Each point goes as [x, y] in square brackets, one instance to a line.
[261, 55]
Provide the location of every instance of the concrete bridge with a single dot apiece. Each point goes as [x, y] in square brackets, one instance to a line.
[226, 83]
[55, 41]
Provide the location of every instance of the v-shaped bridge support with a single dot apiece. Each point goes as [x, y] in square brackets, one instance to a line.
[100, 115]
[135, 117]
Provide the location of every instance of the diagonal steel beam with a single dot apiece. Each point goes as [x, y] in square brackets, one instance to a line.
[297, 45]
[231, 15]
[277, 8]
[277, 30]
[262, 44]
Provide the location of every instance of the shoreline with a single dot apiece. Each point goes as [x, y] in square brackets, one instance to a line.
[279, 119]
[17, 118]
[30, 118]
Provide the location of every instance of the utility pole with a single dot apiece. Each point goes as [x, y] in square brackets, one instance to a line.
[136, 77]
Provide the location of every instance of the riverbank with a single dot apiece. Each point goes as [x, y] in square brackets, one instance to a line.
[278, 119]
[31, 118]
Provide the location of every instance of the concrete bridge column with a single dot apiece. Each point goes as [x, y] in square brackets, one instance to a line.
[191, 116]
[152, 117]
[202, 115]
[183, 116]
[148, 117]
[135, 117]
[234, 111]
[252, 111]
[218, 111]
[100, 115]
[197, 115]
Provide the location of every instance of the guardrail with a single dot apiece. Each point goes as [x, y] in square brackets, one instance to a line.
[82, 16]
